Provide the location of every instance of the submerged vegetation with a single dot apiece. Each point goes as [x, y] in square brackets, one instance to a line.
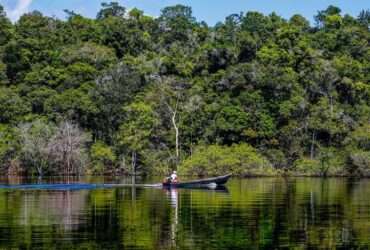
[255, 94]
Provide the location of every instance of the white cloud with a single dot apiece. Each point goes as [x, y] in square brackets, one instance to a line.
[20, 8]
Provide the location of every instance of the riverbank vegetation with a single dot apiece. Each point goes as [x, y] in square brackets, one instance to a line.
[254, 94]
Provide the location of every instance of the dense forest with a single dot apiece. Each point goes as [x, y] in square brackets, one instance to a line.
[253, 95]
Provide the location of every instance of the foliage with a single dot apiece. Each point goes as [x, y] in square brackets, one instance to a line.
[8, 143]
[12, 106]
[49, 149]
[67, 147]
[359, 163]
[101, 155]
[136, 133]
[153, 92]
[34, 139]
[111, 9]
[241, 159]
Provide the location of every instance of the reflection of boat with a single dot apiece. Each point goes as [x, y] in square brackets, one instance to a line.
[217, 189]
[209, 182]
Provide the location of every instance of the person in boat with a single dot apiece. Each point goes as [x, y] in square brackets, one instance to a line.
[172, 178]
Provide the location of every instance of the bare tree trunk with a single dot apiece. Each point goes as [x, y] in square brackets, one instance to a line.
[177, 135]
[69, 147]
[331, 105]
[66, 147]
[331, 116]
[39, 171]
[173, 109]
[191, 139]
[313, 145]
[133, 162]
[176, 128]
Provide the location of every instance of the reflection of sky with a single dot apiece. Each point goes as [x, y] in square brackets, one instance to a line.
[210, 11]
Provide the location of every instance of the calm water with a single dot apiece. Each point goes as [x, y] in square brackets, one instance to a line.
[259, 213]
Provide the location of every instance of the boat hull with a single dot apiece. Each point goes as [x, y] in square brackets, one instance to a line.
[209, 182]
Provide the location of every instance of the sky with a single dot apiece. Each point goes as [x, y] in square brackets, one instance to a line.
[210, 11]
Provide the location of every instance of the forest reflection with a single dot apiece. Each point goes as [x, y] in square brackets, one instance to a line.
[252, 213]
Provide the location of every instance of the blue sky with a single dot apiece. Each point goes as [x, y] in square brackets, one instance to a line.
[210, 11]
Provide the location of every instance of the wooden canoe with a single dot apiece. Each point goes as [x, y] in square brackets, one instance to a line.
[209, 182]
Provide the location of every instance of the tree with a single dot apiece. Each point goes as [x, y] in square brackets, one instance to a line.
[38, 98]
[176, 22]
[300, 22]
[364, 18]
[8, 143]
[150, 90]
[98, 56]
[12, 106]
[327, 122]
[67, 148]
[322, 15]
[242, 159]
[5, 27]
[135, 134]
[112, 9]
[35, 152]
[171, 98]
[177, 12]
[73, 104]
[102, 156]
[231, 122]
[80, 29]
[360, 137]
[115, 87]
[127, 36]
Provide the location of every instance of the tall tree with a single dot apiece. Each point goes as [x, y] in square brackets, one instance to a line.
[112, 9]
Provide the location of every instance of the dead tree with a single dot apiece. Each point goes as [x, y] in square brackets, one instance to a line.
[34, 138]
[68, 146]
[171, 94]
[173, 112]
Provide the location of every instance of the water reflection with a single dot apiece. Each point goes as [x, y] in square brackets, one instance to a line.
[172, 195]
[263, 213]
[58, 208]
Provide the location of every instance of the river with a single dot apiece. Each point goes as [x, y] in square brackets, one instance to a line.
[254, 213]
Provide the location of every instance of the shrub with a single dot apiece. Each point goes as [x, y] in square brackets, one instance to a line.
[277, 158]
[328, 163]
[8, 143]
[306, 166]
[102, 155]
[358, 163]
[239, 159]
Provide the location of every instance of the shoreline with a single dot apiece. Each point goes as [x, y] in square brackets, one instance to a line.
[294, 175]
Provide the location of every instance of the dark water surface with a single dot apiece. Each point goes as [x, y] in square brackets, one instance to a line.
[258, 213]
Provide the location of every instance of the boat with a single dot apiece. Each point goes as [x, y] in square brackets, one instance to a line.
[215, 183]
[209, 182]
